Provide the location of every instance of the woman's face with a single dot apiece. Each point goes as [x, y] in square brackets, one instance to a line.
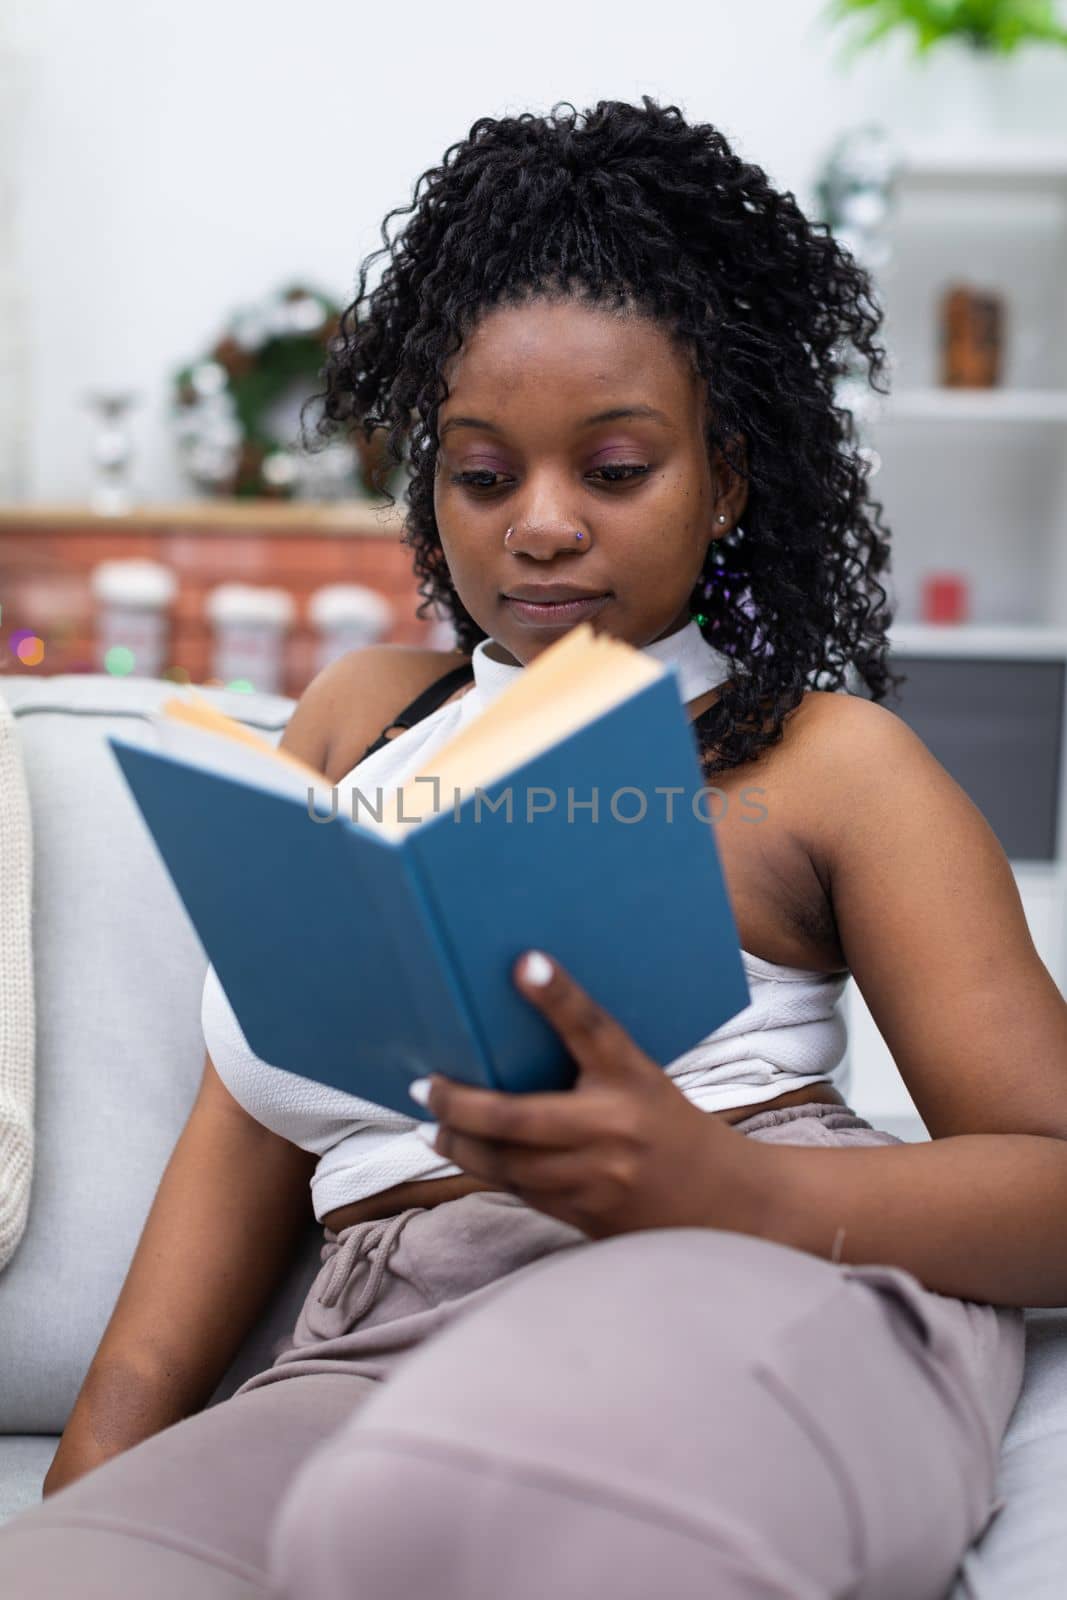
[524, 444]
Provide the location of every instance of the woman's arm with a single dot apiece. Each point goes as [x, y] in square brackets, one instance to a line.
[229, 1211]
[933, 929]
[931, 923]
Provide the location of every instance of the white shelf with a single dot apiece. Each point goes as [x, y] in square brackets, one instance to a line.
[980, 639]
[975, 480]
[1007, 162]
[976, 405]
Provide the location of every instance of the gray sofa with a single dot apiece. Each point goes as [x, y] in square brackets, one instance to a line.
[119, 972]
[118, 977]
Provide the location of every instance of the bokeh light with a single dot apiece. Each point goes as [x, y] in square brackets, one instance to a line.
[30, 650]
[242, 685]
[119, 660]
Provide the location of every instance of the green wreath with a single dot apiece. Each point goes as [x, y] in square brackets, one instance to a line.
[224, 402]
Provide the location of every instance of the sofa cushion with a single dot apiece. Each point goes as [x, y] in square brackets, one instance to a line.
[1023, 1551]
[118, 976]
[24, 1460]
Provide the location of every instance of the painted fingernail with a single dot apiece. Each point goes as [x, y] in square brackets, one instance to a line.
[536, 968]
[419, 1090]
[427, 1132]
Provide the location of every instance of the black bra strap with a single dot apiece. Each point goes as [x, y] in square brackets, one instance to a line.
[423, 704]
[439, 691]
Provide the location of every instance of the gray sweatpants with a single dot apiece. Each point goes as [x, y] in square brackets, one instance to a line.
[480, 1403]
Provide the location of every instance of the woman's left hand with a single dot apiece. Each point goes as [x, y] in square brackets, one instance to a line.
[621, 1150]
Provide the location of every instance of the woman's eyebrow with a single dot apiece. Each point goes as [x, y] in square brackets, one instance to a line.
[616, 414]
[649, 412]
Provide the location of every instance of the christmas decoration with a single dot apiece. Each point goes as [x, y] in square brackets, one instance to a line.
[237, 410]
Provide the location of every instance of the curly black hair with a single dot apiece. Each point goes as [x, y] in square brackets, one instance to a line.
[629, 205]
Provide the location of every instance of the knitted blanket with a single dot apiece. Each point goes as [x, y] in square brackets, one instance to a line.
[17, 1035]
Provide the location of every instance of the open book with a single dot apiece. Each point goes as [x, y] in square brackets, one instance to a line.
[365, 937]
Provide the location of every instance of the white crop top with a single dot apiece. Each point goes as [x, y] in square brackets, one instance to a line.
[792, 1033]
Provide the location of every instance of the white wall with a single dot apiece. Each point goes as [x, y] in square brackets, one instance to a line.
[14, 352]
[176, 161]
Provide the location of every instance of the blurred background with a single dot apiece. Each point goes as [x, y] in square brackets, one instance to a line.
[186, 193]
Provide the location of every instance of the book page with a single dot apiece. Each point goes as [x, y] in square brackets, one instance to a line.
[196, 712]
[227, 758]
[539, 710]
[569, 685]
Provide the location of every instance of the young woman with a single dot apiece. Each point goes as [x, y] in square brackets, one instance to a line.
[694, 1327]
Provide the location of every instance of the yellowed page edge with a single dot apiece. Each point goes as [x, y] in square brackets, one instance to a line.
[577, 657]
[596, 675]
[200, 714]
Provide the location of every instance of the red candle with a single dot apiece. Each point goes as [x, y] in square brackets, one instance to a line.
[945, 597]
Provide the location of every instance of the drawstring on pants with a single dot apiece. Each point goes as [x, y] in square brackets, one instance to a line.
[380, 1236]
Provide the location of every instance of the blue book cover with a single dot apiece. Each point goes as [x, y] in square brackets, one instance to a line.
[364, 960]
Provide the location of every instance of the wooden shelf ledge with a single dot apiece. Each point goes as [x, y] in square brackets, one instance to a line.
[292, 519]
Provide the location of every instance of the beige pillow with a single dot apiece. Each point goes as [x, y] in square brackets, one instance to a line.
[16, 992]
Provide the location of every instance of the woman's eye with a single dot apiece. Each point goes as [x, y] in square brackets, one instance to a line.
[614, 472]
[625, 470]
[469, 479]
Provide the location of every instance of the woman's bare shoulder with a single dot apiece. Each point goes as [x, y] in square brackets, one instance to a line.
[838, 746]
[808, 769]
[357, 695]
[828, 732]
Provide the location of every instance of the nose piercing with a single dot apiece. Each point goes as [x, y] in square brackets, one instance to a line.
[721, 517]
[510, 531]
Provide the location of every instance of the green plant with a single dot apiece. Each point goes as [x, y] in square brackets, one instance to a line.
[999, 26]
